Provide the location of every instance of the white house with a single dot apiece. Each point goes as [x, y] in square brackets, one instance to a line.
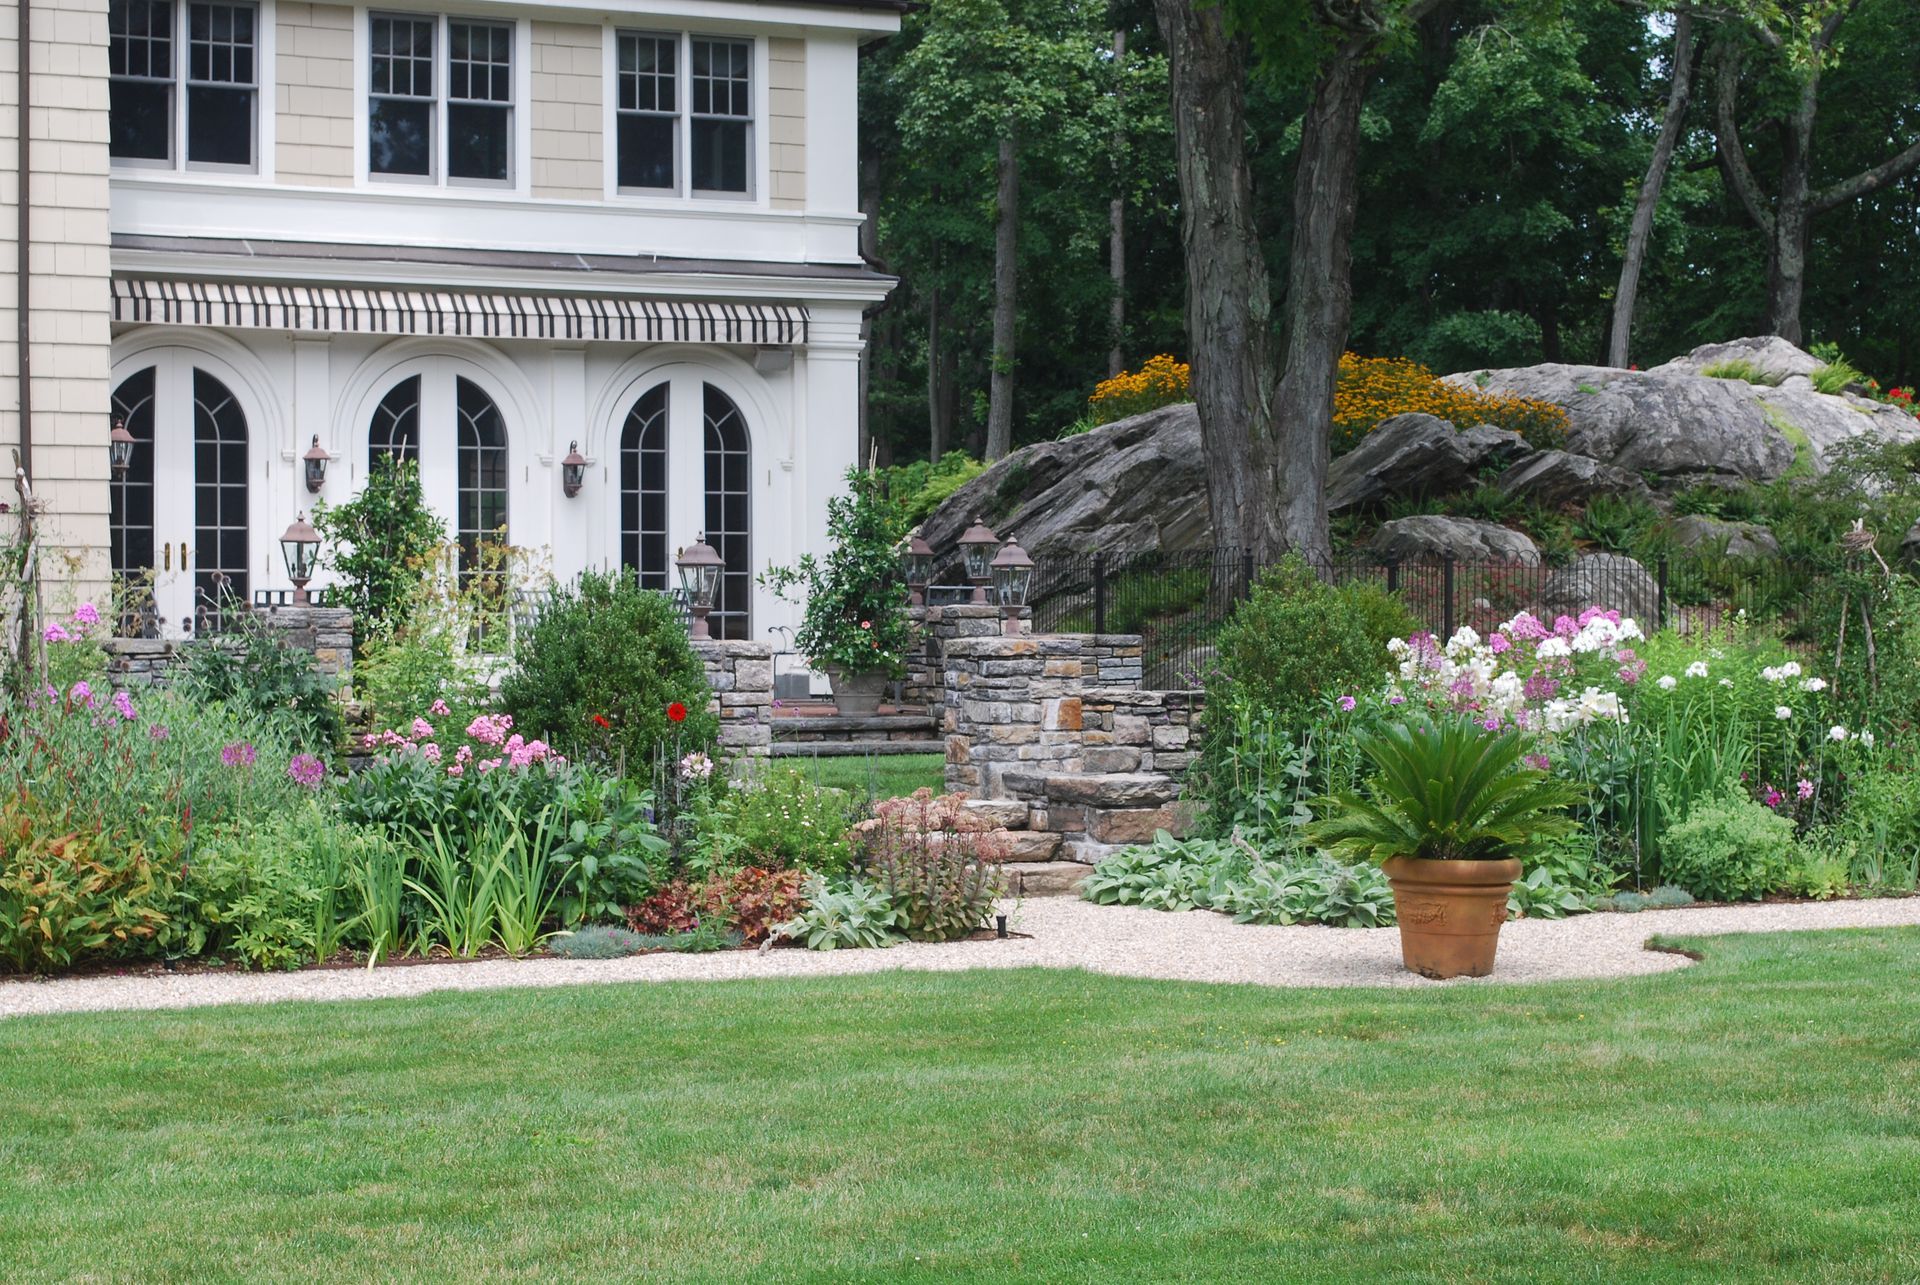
[474, 235]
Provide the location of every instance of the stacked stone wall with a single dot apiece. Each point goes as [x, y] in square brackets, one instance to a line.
[325, 633]
[741, 675]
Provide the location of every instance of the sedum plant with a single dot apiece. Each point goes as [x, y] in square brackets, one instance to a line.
[1446, 790]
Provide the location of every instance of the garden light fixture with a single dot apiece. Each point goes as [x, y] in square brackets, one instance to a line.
[316, 460]
[1012, 582]
[917, 564]
[977, 547]
[700, 567]
[120, 449]
[573, 471]
[300, 546]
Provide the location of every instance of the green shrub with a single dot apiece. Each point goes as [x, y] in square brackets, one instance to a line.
[856, 598]
[853, 913]
[603, 672]
[1168, 874]
[1728, 849]
[1617, 523]
[916, 489]
[753, 901]
[68, 897]
[256, 669]
[377, 542]
[1665, 897]
[778, 819]
[601, 941]
[1833, 377]
[1320, 889]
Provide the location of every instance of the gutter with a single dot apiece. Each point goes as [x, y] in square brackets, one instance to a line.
[22, 234]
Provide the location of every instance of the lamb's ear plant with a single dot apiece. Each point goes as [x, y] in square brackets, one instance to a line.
[1445, 790]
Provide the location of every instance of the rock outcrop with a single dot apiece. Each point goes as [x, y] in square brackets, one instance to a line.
[1736, 539]
[1556, 478]
[1603, 580]
[1431, 537]
[1414, 455]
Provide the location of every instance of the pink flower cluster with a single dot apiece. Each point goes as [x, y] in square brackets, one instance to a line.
[84, 615]
[493, 730]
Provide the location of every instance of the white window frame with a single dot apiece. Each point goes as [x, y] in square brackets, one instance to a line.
[519, 107]
[265, 22]
[682, 191]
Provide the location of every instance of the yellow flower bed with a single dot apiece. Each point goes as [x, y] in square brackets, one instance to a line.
[1375, 389]
[1162, 381]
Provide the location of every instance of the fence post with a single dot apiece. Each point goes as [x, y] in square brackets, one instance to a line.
[1246, 574]
[1393, 576]
[1446, 596]
[1099, 593]
[1660, 611]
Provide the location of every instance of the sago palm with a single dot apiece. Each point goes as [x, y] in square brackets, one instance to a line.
[1446, 790]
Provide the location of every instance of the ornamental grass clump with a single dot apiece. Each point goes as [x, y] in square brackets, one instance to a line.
[1445, 790]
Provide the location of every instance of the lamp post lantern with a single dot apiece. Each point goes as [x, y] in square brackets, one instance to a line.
[700, 566]
[1012, 584]
[977, 548]
[917, 564]
[300, 547]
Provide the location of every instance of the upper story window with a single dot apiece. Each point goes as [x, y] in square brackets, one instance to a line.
[157, 98]
[708, 120]
[440, 99]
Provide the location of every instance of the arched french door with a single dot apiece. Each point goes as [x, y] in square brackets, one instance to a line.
[179, 520]
[686, 471]
[454, 431]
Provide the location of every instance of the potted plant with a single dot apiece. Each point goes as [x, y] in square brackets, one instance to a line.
[856, 625]
[1450, 813]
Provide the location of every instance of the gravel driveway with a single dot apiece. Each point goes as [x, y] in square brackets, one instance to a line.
[1066, 933]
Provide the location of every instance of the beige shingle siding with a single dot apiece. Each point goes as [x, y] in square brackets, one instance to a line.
[313, 95]
[569, 127]
[787, 122]
[71, 346]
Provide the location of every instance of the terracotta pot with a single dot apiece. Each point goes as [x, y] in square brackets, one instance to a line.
[1450, 913]
[857, 693]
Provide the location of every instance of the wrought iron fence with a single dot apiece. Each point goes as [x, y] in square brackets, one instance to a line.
[1177, 600]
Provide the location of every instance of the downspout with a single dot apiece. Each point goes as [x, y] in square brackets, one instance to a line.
[22, 234]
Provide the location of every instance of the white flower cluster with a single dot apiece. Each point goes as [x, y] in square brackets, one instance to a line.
[1781, 673]
[1593, 706]
[1837, 734]
[1490, 676]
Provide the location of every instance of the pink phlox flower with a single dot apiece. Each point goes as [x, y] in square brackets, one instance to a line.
[487, 765]
[463, 755]
[1805, 788]
[393, 740]
[123, 704]
[430, 752]
[1526, 627]
[368, 741]
[1491, 724]
[307, 770]
[1347, 703]
[1499, 644]
[86, 614]
[55, 633]
[1564, 626]
[456, 770]
[81, 694]
[490, 729]
[439, 708]
[1540, 687]
[422, 730]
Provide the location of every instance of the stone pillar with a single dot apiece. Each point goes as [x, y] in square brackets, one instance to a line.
[741, 676]
[326, 633]
[1011, 703]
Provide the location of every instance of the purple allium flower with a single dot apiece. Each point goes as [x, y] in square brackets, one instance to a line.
[238, 754]
[307, 770]
[1538, 762]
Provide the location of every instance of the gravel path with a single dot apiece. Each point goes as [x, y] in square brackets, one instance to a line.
[1066, 933]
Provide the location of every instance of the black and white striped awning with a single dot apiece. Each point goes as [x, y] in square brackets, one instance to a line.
[343, 310]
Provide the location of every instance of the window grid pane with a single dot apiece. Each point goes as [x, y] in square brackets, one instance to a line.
[219, 494]
[728, 456]
[395, 429]
[482, 473]
[140, 80]
[402, 57]
[130, 526]
[721, 86]
[220, 44]
[479, 62]
[643, 489]
[647, 79]
[140, 39]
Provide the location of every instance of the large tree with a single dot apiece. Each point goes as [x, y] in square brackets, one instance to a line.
[1801, 42]
[1647, 200]
[1265, 401]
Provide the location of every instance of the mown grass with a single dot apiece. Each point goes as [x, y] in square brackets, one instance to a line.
[875, 776]
[1754, 1117]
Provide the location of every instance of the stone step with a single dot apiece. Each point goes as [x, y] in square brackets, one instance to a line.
[852, 749]
[854, 724]
[1044, 878]
[1095, 789]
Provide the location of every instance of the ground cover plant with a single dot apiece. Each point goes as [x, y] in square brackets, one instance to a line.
[1749, 1117]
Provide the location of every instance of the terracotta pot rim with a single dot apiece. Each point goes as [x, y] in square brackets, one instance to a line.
[1500, 870]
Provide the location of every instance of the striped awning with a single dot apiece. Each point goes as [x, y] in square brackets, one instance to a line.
[342, 310]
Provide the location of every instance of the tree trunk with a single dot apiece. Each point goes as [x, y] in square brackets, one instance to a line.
[1229, 300]
[1117, 226]
[1319, 307]
[1792, 217]
[1006, 287]
[1640, 231]
[939, 408]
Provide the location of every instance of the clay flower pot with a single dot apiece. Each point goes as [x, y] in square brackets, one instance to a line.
[1450, 913]
[857, 693]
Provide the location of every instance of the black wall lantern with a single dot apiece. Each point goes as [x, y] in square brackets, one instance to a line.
[316, 460]
[120, 448]
[573, 471]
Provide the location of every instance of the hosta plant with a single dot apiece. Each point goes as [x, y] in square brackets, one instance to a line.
[1446, 790]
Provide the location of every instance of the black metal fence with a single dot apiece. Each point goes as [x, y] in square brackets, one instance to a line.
[1178, 600]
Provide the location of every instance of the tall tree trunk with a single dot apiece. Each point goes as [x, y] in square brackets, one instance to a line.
[1319, 306]
[1640, 231]
[1792, 218]
[939, 405]
[1117, 224]
[1229, 298]
[1006, 288]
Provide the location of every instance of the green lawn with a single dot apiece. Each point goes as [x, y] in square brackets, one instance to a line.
[877, 776]
[1755, 1117]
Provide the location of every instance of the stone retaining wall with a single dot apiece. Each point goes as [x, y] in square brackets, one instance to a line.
[741, 675]
[939, 626]
[326, 633]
